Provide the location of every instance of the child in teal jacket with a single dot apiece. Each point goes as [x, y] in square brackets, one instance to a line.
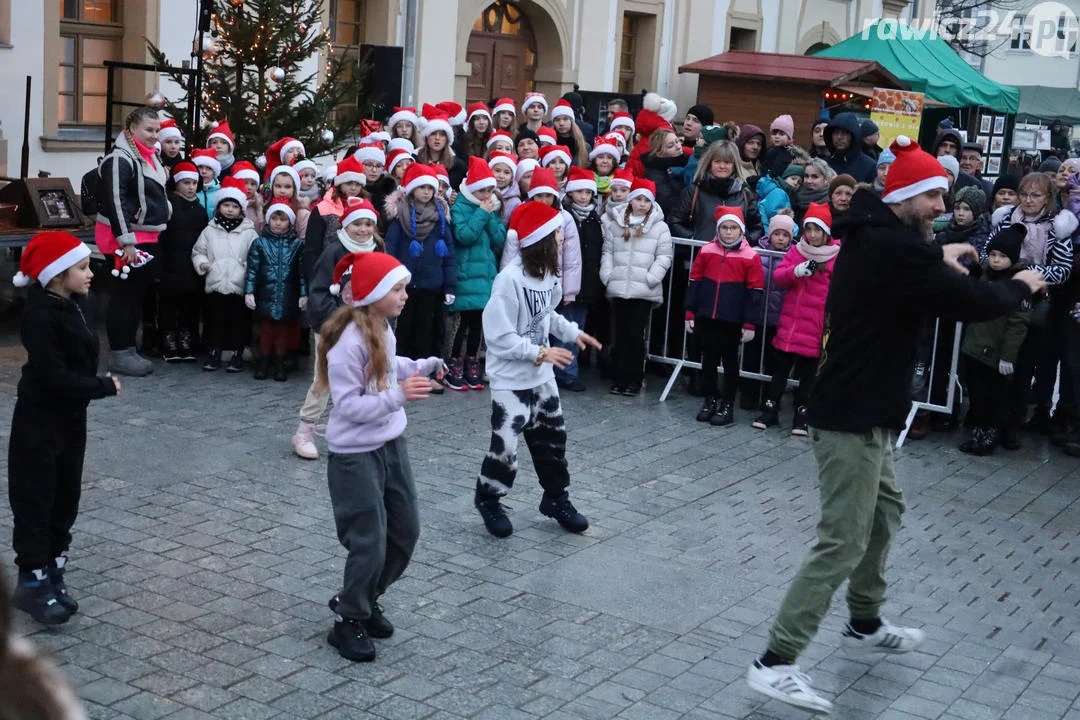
[479, 235]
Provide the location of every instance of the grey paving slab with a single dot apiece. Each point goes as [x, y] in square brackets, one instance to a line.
[203, 562]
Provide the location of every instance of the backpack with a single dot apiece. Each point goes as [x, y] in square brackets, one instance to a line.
[88, 190]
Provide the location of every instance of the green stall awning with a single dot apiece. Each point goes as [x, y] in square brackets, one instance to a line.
[1049, 103]
[927, 63]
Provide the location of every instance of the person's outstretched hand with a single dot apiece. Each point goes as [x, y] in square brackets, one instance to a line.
[955, 252]
[585, 340]
[416, 387]
[1033, 279]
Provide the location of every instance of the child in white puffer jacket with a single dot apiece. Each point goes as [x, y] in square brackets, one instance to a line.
[636, 258]
[220, 254]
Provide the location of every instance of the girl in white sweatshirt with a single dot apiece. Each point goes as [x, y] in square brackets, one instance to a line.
[519, 317]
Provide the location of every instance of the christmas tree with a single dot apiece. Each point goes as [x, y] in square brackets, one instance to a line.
[252, 77]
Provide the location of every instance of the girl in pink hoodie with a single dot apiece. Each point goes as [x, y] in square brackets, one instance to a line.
[804, 273]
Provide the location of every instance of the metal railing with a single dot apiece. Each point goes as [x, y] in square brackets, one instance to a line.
[928, 363]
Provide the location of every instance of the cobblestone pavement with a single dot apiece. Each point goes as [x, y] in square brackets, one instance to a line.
[205, 553]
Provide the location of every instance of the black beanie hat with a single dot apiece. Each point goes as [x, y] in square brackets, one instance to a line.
[524, 133]
[703, 113]
[1007, 182]
[575, 100]
[1009, 241]
[868, 127]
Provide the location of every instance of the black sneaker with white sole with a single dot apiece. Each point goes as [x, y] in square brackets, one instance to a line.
[377, 625]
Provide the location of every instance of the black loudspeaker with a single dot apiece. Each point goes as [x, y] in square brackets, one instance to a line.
[382, 82]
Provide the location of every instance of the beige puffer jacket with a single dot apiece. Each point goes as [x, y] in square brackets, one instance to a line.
[226, 254]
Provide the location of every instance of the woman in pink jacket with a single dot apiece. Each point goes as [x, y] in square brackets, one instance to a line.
[805, 273]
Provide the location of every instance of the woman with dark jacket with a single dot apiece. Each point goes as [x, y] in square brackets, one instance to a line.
[663, 164]
[717, 183]
[132, 211]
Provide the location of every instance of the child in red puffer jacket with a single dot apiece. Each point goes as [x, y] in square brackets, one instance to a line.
[805, 272]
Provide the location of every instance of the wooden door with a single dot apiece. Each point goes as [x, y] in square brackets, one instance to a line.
[499, 67]
[480, 55]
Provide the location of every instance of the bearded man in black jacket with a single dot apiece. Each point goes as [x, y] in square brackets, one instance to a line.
[887, 277]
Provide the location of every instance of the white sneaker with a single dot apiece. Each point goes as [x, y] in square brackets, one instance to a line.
[888, 639]
[303, 441]
[787, 683]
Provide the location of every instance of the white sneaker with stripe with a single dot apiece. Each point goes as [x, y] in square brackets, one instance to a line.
[788, 684]
[889, 639]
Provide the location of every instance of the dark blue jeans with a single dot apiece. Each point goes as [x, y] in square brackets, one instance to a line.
[575, 312]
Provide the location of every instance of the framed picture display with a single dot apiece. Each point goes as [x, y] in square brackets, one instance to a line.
[997, 144]
[984, 140]
[993, 165]
[999, 125]
[984, 124]
[44, 202]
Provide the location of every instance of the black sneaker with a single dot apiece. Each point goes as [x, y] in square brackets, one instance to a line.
[494, 515]
[56, 573]
[973, 443]
[377, 625]
[184, 347]
[170, 349]
[725, 414]
[769, 417]
[351, 640]
[236, 363]
[563, 511]
[798, 425]
[708, 409]
[617, 390]
[631, 390]
[35, 595]
[213, 360]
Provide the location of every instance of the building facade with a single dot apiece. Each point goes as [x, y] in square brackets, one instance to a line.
[464, 50]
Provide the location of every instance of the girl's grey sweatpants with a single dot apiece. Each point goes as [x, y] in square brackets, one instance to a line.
[377, 521]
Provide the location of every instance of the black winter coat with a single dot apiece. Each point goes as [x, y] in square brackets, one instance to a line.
[668, 184]
[175, 243]
[62, 349]
[852, 161]
[378, 191]
[321, 304]
[131, 194]
[694, 215]
[885, 281]
[320, 233]
[591, 239]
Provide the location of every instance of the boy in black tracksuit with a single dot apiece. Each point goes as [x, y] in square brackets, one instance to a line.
[48, 429]
[181, 287]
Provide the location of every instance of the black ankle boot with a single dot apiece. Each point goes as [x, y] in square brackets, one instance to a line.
[493, 514]
[57, 568]
[708, 409]
[262, 367]
[278, 365]
[36, 596]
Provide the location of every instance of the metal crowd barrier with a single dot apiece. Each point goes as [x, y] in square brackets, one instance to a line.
[929, 363]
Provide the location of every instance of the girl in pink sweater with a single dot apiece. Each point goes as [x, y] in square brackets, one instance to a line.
[805, 273]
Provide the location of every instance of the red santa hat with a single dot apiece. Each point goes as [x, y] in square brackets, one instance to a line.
[358, 209]
[408, 114]
[543, 181]
[370, 153]
[531, 222]
[277, 151]
[622, 119]
[581, 179]
[453, 111]
[547, 136]
[435, 119]
[534, 97]
[440, 173]
[205, 158]
[820, 215]
[121, 268]
[223, 131]
[479, 176]
[47, 255]
[185, 171]
[418, 175]
[400, 144]
[622, 177]
[301, 165]
[369, 275]
[500, 135]
[232, 189]
[642, 188]
[914, 171]
[605, 146]
[285, 170]
[477, 108]
[501, 158]
[281, 205]
[376, 138]
[734, 214]
[169, 130]
[562, 109]
[549, 153]
[395, 157]
[618, 139]
[349, 169]
[504, 105]
[525, 166]
[245, 171]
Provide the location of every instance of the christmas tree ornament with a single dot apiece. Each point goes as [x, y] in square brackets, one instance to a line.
[260, 162]
[327, 136]
[208, 44]
[277, 74]
[155, 99]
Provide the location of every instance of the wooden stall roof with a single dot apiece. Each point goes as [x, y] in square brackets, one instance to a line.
[806, 69]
